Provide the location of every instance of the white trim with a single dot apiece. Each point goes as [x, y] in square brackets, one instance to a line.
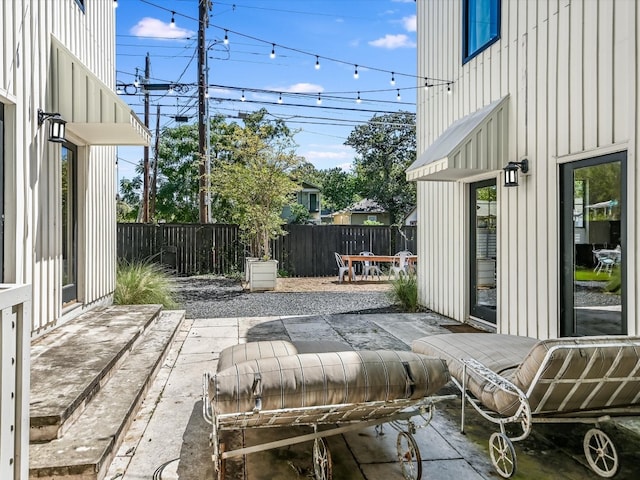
[595, 152]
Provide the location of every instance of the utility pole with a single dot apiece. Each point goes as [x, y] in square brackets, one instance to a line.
[145, 185]
[203, 107]
[154, 177]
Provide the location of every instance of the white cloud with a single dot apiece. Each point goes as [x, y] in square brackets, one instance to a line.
[152, 27]
[410, 23]
[339, 20]
[354, 43]
[301, 88]
[393, 41]
[313, 155]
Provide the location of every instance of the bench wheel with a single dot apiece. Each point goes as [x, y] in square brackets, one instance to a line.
[503, 455]
[322, 467]
[409, 456]
[600, 452]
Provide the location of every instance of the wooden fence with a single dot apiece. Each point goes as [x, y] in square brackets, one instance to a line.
[305, 251]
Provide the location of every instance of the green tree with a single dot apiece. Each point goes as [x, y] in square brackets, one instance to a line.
[386, 146]
[255, 183]
[339, 188]
[128, 203]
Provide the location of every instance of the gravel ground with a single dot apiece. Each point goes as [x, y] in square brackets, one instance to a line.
[210, 296]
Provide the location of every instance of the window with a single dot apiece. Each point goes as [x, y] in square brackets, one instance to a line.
[81, 4]
[372, 218]
[481, 26]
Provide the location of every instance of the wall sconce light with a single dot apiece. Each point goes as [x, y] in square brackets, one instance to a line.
[511, 172]
[56, 125]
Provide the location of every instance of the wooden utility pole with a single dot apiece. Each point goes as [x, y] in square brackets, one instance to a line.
[145, 184]
[154, 177]
[203, 194]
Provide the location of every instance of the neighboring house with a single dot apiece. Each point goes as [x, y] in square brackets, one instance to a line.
[411, 219]
[360, 212]
[554, 85]
[60, 197]
[309, 197]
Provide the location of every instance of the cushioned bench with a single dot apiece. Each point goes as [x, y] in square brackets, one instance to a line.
[270, 384]
[524, 380]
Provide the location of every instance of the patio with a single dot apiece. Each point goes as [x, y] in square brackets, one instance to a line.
[169, 439]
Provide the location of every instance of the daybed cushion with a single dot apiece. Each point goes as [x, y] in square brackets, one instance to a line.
[316, 379]
[519, 360]
[252, 350]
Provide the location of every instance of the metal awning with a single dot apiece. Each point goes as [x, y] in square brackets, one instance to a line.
[93, 111]
[472, 145]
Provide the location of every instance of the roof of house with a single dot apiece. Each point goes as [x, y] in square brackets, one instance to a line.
[363, 206]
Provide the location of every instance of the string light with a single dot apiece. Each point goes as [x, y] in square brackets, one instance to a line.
[426, 84]
[355, 73]
[273, 51]
[399, 97]
[393, 79]
[206, 93]
[170, 92]
[449, 89]
[280, 99]
[243, 98]
[226, 37]
[136, 82]
[115, 3]
[173, 20]
[317, 62]
[319, 101]
[358, 100]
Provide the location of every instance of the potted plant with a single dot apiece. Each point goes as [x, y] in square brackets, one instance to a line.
[255, 183]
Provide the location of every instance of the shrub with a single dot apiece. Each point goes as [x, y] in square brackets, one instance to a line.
[141, 283]
[615, 282]
[404, 292]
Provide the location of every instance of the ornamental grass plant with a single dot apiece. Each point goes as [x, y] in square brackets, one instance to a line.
[404, 292]
[142, 283]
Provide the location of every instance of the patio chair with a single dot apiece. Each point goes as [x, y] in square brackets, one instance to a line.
[370, 268]
[342, 268]
[401, 265]
[520, 381]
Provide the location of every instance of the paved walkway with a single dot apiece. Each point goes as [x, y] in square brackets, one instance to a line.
[169, 439]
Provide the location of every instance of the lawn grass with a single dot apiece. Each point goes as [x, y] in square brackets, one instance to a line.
[588, 275]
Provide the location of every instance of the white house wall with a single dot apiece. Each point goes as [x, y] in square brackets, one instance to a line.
[571, 70]
[32, 177]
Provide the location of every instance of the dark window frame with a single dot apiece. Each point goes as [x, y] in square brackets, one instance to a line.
[466, 55]
[80, 4]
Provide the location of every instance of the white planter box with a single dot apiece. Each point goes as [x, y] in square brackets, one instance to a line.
[246, 267]
[263, 275]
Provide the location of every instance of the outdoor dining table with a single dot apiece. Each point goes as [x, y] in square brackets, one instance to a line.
[349, 259]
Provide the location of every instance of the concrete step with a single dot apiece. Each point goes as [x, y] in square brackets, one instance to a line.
[70, 364]
[87, 444]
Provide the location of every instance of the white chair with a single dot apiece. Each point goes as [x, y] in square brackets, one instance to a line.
[370, 268]
[401, 265]
[606, 259]
[342, 268]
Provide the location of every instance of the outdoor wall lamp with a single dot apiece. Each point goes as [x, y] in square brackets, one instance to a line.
[56, 125]
[511, 172]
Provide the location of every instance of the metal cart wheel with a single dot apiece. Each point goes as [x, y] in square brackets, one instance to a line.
[322, 466]
[600, 452]
[409, 456]
[503, 455]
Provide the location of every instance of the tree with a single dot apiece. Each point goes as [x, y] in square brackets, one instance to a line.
[129, 199]
[339, 188]
[386, 146]
[255, 183]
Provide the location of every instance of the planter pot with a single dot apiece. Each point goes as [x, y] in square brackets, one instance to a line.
[247, 260]
[263, 275]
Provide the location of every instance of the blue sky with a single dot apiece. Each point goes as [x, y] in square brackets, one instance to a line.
[374, 37]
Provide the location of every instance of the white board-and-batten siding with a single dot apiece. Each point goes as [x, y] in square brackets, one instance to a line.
[32, 184]
[570, 68]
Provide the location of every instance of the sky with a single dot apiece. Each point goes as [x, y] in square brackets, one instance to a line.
[376, 38]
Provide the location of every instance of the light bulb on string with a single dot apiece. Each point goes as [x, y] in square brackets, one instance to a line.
[355, 73]
[173, 20]
[426, 84]
[358, 100]
[399, 97]
[136, 82]
[280, 99]
[319, 100]
[243, 98]
[449, 89]
[273, 51]
[393, 79]
[226, 37]
[115, 3]
[317, 62]
[170, 92]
